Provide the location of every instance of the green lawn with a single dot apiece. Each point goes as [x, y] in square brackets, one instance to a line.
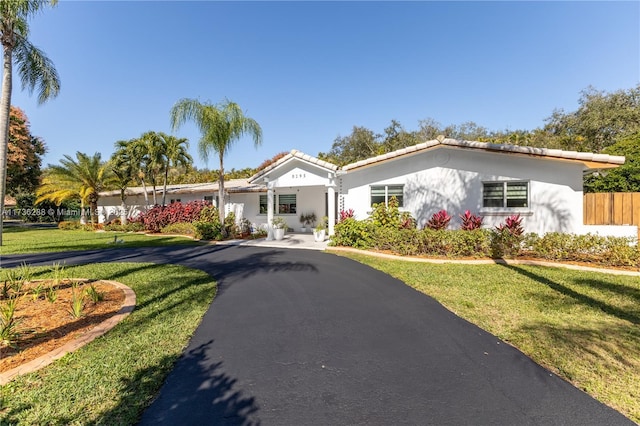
[29, 240]
[111, 380]
[584, 326]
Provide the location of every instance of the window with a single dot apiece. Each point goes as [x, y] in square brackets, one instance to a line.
[171, 201]
[287, 204]
[263, 204]
[383, 193]
[212, 199]
[505, 194]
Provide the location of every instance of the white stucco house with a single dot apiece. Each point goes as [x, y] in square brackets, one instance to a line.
[544, 186]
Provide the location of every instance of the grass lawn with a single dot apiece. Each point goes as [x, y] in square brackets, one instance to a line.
[584, 326]
[30, 240]
[111, 380]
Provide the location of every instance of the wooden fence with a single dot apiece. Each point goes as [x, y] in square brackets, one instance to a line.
[614, 208]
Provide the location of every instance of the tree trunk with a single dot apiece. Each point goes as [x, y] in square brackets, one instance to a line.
[155, 198]
[94, 211]
[164, 187]
[83, 219]
[221, 195]
[5, 107]
[146, 196]
[123, 209]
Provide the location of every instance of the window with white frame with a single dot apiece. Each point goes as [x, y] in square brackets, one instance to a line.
[287, 204]
[383, 193]
[263, 204]
[505, 194]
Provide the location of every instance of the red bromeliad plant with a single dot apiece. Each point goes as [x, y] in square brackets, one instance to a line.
[439, 220]
[345, 214]
[470, 221]
[512, 224]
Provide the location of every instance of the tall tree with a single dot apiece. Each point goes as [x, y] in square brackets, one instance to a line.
[131, 153]
[24, 155]
[174, 154]
[220, 125]
[625, 178]
[396, 137]
[123, 174]
[600, 120]
[35, 68]
[360, 144]
[84, 177]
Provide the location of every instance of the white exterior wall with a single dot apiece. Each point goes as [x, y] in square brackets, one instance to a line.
[451, 179]
[305, 180]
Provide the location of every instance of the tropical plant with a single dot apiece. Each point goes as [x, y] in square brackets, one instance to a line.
[439, 221]
[93, 293]
[174, 154]
[279, 223]
[83, 177]
[131, 153]
[308, 219]
[322, 225]
[345, 214]
[220, 125]
[8, 321]
[123, 175]
[77, 303]
[470, 221]
[34, 67]
[386, 215]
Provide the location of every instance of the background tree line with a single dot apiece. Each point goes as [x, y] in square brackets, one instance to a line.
[603, 123]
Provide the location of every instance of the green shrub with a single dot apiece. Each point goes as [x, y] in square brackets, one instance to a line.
[181, 228]
[129, 227]
[207, 230]
[70, 224]
[613, 251]
[230, 228]
[353, 233]
[210, 214]
[386, 216]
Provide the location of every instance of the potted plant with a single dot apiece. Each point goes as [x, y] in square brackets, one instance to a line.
[307, 221]
[279, 225]
[303, 222]
[320, 231]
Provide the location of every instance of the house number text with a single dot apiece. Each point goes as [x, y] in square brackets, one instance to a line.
[298, 176]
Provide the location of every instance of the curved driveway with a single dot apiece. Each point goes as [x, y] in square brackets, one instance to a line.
[299, 337]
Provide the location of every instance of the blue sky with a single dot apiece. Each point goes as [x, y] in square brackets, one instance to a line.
[309, 71]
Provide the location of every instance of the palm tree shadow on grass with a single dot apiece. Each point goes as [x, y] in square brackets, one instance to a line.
[578, 297]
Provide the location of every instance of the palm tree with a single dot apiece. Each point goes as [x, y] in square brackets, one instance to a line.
[123, 175]
[35, 68]
[174, 153]
[132, 152]
[221, 125]
[83, 178]
[149, 148]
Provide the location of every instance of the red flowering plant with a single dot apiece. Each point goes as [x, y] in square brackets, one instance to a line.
[470, 221]
[345, 214]
[439, 221]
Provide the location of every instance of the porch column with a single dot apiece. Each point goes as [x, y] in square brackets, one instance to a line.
[269, 209]
[331, 202]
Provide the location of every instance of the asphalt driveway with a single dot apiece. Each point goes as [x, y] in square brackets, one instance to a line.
[298, 337]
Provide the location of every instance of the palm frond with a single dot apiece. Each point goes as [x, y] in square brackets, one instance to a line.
[36, 70]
